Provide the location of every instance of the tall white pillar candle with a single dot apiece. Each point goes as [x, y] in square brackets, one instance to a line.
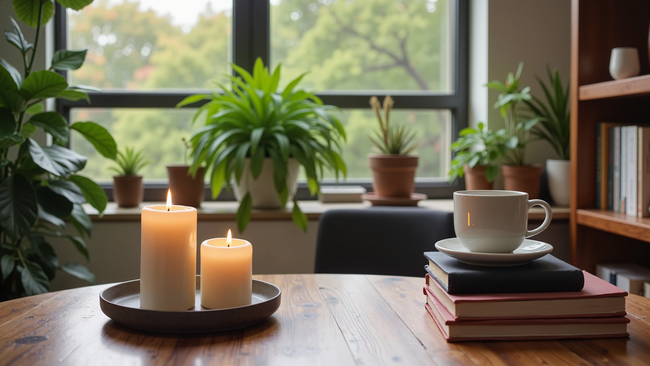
[226, 273]
[168, 262]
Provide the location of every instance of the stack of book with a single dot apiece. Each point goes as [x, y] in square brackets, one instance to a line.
[545, 299]
[623, 168]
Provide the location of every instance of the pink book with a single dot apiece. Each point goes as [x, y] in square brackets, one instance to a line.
[524, 329]
[597, 298]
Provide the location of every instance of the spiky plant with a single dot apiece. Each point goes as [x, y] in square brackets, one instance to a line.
[391, 140]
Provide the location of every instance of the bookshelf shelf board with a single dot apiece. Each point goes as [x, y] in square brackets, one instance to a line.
[615, 222]
[638, 85]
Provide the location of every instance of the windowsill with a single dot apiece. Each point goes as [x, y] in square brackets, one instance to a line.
[226, 211]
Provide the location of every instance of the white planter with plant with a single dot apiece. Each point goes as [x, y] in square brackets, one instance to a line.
[555, 127]
[254, 121]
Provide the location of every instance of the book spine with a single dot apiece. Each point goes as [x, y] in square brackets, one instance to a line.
[617, 169]
[599, 165]
[630, 202]
[610, 170]
[643, 182]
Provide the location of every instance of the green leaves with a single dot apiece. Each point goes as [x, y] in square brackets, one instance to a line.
[34, 279]
[53, 123]
[17, 38]
[43, 84]
[68, 60]
[18, 210]
[28, 11]
[7, 263]
[244, 212]
[298, 216]
[79, 271]
[56, 159]
[93, 193]
[99, 137]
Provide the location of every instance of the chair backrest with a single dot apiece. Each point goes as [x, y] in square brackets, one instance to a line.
[379, 240]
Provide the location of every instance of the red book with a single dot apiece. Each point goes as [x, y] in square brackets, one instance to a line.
[524, 329]
[597, 298]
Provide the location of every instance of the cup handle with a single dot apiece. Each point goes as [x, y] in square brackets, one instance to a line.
[547, 219]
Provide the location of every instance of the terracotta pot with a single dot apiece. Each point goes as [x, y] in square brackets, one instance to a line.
[186, 190]
[475, 179]
[522, 178]
[262, 190]
[128, 190]
[393, 175]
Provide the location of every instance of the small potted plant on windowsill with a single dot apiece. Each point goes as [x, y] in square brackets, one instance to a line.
[128, 189]
[476, 149]
[393, 169]
[555, 127]
[517, 175]
[185, 181]
[257, 137]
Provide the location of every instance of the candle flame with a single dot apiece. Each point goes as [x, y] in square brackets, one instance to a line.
[229, 238]
[169, 200]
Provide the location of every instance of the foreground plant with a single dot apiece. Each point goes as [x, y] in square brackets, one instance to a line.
[40, 188]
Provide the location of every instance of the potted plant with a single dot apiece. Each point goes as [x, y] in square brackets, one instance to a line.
[476, 149]
[517, 175]
[186, 183]
[258, 136]
[555, 127]
[41, 189]
[128, 189]
[393, 169]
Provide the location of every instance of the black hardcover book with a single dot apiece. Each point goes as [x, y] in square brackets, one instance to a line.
[546, 274]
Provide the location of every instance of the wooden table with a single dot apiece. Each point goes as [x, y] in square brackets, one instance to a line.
[323, 320]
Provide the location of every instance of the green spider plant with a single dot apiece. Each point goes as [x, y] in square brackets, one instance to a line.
[254, 120]
[129, 161]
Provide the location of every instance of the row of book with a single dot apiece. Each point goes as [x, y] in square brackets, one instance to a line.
[545, 299]
[630, 277]
[623, 168]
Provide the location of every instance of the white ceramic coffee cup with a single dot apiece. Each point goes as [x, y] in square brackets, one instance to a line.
[624, 63]
[495, 221]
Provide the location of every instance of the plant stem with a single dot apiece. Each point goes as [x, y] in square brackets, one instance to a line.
[38, 31]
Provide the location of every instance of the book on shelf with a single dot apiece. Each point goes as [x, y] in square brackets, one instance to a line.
[598, 298]
[643, 172]
[630, 166]
[616, 178]
[629, 277]
[541, 275]
[455, 330]
[646, 289]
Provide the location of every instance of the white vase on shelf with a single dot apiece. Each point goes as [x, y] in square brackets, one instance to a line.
[558, 173]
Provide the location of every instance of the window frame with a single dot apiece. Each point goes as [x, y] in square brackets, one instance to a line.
[251, 18]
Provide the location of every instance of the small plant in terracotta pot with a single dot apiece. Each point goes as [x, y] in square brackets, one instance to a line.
[517, 175]
[393, 170]
[128, 189]
[185, 181]
[476, 152]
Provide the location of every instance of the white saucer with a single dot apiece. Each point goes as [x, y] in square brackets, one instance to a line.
[527, 251]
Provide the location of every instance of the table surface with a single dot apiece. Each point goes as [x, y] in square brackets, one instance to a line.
[323, 320]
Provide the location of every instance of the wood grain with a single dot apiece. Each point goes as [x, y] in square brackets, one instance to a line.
[636, 86]
[323, 320]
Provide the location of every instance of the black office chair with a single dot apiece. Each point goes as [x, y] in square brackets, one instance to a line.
[380, 240]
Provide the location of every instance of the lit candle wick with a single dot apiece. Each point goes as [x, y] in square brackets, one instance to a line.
[229, 239]
[169, 200]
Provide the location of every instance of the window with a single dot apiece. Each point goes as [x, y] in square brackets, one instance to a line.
[147, 55]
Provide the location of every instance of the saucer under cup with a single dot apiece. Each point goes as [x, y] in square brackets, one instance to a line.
[528, 251]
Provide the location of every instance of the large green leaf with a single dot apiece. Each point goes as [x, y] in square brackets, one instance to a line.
[12, 100]
[244, 212]
[99, 137]
[47, 258]
[18, 210]
[93, 193]
[43, 84]
[8, 134]
[80, 244]
[34, 279]
[6, 79]
[81, 220]
[68, 190]
[56, 159]
[74, 95]
[44, 215]
[53, 123]
[28, 10]
[79, 271]
[298, 216]
[53, 202]
[15, 74]
[7, 263]
[68, 60]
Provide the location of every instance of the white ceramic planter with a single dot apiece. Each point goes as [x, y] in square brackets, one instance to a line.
[559, 181]
[263, 190]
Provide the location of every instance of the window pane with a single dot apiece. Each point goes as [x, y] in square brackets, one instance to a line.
[147, 44]
[364, 44]
[156, 131]
[433, 128]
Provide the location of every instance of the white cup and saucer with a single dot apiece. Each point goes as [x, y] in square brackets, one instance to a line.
[492, 229]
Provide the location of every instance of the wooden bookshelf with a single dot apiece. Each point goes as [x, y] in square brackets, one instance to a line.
[596, 28]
